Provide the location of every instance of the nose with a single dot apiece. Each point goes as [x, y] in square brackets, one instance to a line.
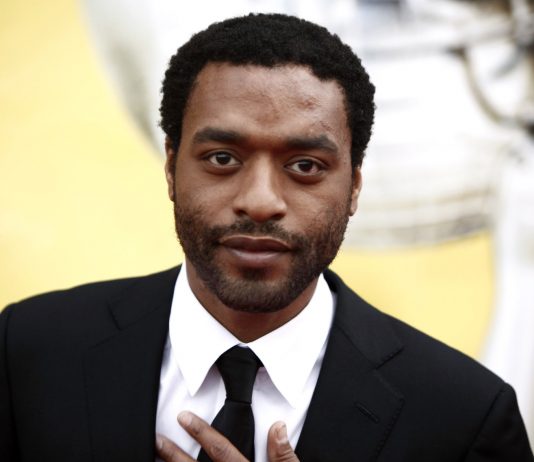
[260, 194]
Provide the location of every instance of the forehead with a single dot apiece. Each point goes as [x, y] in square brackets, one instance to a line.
[285, 98]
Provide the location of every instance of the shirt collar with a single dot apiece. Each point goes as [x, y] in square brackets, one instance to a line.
[287, 353]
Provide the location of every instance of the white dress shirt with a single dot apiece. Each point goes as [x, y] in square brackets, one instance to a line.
[292, 356]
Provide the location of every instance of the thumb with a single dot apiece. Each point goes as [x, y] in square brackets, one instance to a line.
[278, 447]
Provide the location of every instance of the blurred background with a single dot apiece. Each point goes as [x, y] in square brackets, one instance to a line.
[444, 237]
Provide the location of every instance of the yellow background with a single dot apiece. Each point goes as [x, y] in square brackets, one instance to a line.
[82, 193]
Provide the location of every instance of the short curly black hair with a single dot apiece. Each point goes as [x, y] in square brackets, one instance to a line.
[270, 40]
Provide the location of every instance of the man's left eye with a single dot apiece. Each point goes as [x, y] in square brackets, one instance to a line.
[222, 159]
[305, 167]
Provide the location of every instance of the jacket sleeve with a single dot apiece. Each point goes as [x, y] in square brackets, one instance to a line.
[8, 447]
[502, 436]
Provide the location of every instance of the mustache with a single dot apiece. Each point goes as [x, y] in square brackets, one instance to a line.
[266, 229]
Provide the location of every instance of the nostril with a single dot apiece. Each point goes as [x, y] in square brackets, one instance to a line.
[277, 217]
[260, 207]
[259, 215]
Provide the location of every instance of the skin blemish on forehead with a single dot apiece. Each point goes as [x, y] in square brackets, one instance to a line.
[308, 103]
[299, 100]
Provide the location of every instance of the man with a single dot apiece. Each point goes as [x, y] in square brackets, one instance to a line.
[267, 119]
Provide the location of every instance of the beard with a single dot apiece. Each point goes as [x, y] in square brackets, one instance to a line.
[251, 291]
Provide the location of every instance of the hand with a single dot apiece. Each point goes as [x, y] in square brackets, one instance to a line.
[218, 447]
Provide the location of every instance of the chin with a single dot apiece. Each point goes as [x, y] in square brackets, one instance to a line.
[252, 293]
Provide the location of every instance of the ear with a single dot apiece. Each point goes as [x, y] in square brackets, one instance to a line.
[356, 188]
[170, 166]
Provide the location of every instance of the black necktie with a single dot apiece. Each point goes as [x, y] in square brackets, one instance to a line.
[238, 367]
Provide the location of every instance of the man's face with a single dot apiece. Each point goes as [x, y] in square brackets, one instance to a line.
[262, 185]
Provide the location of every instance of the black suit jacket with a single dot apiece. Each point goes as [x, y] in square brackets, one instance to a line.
[79, 376]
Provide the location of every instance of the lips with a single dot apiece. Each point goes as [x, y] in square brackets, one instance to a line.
[255, 244]
[254, 252]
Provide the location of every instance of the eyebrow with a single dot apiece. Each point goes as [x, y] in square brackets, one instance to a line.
[217, 134]
[321, 142]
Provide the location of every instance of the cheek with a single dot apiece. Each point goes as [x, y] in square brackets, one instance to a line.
[212, 202]
[314, 207]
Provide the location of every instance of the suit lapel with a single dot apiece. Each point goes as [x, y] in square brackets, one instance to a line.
[353, 408]
[122, 371]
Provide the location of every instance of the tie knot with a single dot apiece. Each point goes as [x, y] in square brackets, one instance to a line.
[238, 367]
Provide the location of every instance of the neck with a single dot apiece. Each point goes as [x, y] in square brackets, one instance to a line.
[245, 326]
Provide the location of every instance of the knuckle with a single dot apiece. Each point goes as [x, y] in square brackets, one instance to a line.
[220, 451]
[168, 451]
[286, 454]
[287, 457]
[196, 429]
[167, 454]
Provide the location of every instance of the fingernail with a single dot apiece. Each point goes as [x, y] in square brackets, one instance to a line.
[281, 434]
[185, 418]
[159, 442]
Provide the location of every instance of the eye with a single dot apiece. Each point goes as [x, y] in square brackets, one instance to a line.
[222, 159]
[306, 167]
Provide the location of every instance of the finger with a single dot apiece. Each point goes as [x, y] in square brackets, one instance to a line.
[218, 448]
[169, 452]
[278, 447]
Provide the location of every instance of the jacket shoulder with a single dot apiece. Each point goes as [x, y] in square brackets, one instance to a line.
[74, 313]
[429, 364]
[90, 292]
[388, 340]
